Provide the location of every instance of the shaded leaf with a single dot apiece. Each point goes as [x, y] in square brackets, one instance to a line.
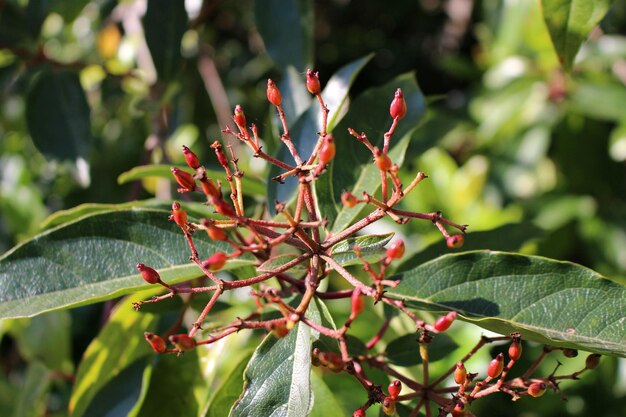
[369, 245]
[286, 27]
[32, 399]
[57, 115]
[404, 351]
[89, 260]
[325, 401]
[227, 393]
[164, 24]
[547, 301]
[569, 23]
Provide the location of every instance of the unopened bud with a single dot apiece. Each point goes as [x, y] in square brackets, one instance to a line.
[460, 373]
[382, 160]
[327, 150]
[455, 241]
[515, 350]
[496, 366]
[592, 361]
[397, 109]
[148, 274]
[348, 199]
[216, 261]
[179, 216]
[184, 179]
[444, 322]
[389, 406]
[239, 117]
[191, 158]
[313, 82]
[394, 389]
[536, 389]
[156, 342]
[183, 342]
[219, 152]
[273, 93]
[396, 249]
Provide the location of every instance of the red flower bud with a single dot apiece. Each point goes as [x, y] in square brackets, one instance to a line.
[156, 342]
[331, 360]
[148, 274]
[216, 233]
[209, 188]
[179, 216]
[394, 389]
[460, 373]
[397, 109]
[455, 241]
[389, 406]
[184, 179]
[496, 366]
[459, 410]
[216, 261]
[515, 350]
[443, 323]
[327, 150]
[396, 249]
[183, 342]
[273, 93]
[191, 158]
[279, 330]
[239, 117]
[221, 156]
[358, 304]
[313, 82]
[348, 199]
[382, 160]
[592, 361]
[570, 353]
[536, 389]
[222, 207]
[359, 413]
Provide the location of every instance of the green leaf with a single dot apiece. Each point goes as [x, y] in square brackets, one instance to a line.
[325, 401]
[404, 351]
[227, 393]
[251, 186]
[13, 29]
[304, 131]
[32, 399]
[277, 379]
[569, 23]
[119, 345]
[57, 115]
[353, 169]
[164, 24]
[94, 258]
[548, 301]
[286, 27]
[280, 260]
[369, 245]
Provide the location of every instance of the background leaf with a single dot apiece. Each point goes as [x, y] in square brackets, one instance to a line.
[88, 261]
[370, 246]
[548, 301]
[569, 23]
[404, 351]
[57, 115]
[164, 24]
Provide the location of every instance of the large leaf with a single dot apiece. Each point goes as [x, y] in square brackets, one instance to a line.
[304, 131]
[548, 301]
[353, 169]
[569, 23]
[164, 24]
[286, 27]
[94, 258]
[57, 115]
[227, 393]
[277, 379]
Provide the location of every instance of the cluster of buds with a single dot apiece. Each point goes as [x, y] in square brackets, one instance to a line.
[304, 231]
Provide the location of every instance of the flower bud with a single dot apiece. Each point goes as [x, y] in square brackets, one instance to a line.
[397, 109]
[592, 361]
[459, 410]
[331, 360]
[222, 207]
[327, 150]
[358, 304]
[156, 342]
[394, 389]
[348, 199]
[313, 82]
[273, 93]
[515, 350]
[382, 160]
[216, 261]
[183, 342]
[570, 353]
[279, 330]
[191, 158]
[219, 152]
[455, 241]
[460, 373]
[239, 117]
[179, 216]
[148, 274]
[396, 249]
[536, 389]
[389, 406]
[496, 366]
[359, 413]
[216, 233]
[444, 322]
[184, 179]
[209, 188]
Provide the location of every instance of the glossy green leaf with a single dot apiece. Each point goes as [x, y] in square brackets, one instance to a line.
[119, 345]
[286, 27]
[251, 186]
[280, 260]
[57, 115]
[404, 351]
[227, 393]
[353, 169]
[369, 245]
[548, 301]
[94, 258]
[569, 23]
[32, 399]
[164, 24]
[304, 131]
[277, 378]
[325, 402]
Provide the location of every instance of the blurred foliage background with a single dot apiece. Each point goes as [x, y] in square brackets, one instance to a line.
[531, 157]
